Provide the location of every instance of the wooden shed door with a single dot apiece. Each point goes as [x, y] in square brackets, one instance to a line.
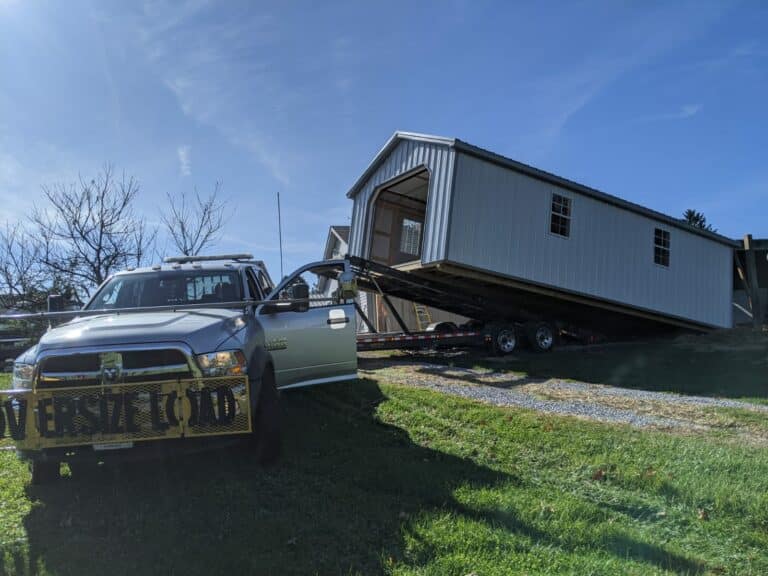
[397, 230]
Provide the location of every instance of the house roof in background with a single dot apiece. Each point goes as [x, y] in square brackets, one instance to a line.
[340, 233]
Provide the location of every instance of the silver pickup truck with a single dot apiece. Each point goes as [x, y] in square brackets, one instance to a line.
[193, 348]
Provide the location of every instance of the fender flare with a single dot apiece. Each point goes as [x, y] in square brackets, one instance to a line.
[260, 359]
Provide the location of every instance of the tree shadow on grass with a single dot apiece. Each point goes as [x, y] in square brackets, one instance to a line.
[336, 504]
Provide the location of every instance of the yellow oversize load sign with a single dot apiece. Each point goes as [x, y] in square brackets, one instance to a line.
[75, 416]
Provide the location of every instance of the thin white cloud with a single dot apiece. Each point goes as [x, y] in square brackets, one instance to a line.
[185, 160]
[552, 100]
[201, 66]
[683, 113]
[689, 110]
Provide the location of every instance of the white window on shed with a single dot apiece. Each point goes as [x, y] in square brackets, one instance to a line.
[661, 247]
[560, 218]
[410, 237]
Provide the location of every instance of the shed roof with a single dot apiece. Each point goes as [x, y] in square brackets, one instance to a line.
[533, 172]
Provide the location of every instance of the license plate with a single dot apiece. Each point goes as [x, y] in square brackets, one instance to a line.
[113, 446]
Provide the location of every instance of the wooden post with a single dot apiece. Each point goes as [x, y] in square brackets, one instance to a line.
[758, 311]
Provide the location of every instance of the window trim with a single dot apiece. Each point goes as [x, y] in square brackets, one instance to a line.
[551, 213]
[667, 248]
[419, 239]
[251, 276]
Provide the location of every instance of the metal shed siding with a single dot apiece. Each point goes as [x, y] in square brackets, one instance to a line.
[406, 156]
[500, 222]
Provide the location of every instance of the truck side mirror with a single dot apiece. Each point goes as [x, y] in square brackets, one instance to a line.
[300, 292]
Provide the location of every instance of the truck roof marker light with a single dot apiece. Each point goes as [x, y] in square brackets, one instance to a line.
[188, 259]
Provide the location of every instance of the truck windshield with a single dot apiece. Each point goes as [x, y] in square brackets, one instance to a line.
[167, 288]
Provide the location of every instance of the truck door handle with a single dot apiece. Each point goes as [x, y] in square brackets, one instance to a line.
[344, 320]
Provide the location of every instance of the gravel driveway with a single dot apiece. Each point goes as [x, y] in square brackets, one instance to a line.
[639, 408]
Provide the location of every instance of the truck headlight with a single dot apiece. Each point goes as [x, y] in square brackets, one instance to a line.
[22, 376]
[224, 363]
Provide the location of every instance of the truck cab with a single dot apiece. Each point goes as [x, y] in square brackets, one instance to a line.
[192, 348]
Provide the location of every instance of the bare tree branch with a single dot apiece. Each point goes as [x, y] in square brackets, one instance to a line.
[24, 282]
[89, 230]
[195, 223]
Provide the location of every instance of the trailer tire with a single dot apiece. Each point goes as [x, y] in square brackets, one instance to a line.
[541, 336]
[45, 472]
[504, 340]
[265, 436]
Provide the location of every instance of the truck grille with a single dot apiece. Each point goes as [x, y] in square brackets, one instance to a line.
[112, 367]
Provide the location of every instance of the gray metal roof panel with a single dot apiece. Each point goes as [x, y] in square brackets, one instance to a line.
[482, 153]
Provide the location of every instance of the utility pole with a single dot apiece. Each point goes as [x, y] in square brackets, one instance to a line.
[280, 234]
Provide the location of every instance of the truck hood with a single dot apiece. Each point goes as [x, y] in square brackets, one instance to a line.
[202, 329]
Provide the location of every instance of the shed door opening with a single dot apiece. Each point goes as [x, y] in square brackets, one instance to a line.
[398, 221]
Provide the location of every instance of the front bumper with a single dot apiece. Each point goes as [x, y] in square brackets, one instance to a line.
[50, 419]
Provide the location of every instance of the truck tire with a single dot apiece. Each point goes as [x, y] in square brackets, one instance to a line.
[504, 340]
[541, 336]
[45, 471]
[266, 439]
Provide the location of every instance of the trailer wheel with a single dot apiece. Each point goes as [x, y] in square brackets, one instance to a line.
[505, 340]
[45, 471]
[265, 437]
[541, 336]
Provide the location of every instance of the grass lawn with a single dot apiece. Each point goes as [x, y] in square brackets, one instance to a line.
[379, 478]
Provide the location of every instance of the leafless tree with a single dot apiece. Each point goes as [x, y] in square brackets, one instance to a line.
[195, 223]
[89, 229]
[24, 282]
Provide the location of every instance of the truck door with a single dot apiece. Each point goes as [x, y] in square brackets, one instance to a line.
[316, 344]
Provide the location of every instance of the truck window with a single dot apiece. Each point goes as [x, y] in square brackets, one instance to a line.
[167, 288]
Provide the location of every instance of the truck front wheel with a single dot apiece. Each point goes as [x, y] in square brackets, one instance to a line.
[266, 438]
[45, 471]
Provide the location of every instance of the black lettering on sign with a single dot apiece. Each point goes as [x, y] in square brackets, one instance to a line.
[84, 404]
[16, 424]
[64, 416]
[170, 409]
[194, 416]
[129, 399]
[154, 412]
[207, 414]
[116, 400]
[44, 417]
[225, 399]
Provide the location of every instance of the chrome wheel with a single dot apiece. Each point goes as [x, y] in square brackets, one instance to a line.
[544, 337]
[506, 341]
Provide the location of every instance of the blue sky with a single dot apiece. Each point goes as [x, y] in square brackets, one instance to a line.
[660, 103]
